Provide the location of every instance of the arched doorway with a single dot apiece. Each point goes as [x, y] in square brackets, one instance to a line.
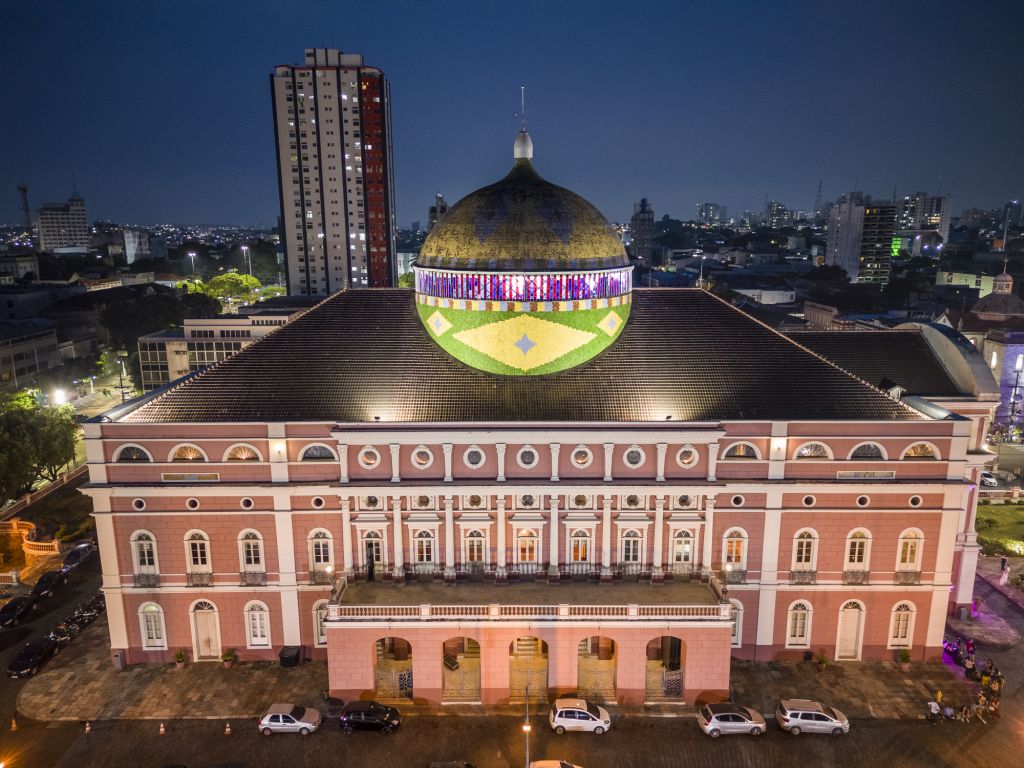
[392, 675]
[851, 625]
[461, 672]
[528, 668]
[595, 668]
[205, 631]
[666, 661]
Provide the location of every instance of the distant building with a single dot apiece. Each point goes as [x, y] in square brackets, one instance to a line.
[25, 350]
[860, 238]
[777, 215]
[642, 227]
[1013, 213]
[17, 266]
[922, 211]
[710, 213]
[436, 211]
[332, 119]
[981, 283]
[63, 225]
[136, 245]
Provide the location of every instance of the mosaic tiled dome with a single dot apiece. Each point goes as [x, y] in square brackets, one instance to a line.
[523, 277]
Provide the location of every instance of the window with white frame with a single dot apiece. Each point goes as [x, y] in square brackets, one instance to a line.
[257, 625]
[805, 550]
[320, 553]
[151, 624]
[901, 626]
[526, 546]
[909, 551]
[474, 550]
[197, 552]
[579, 547]
[736, 614]
[632, 547]
[250, 551]
[373, 548]
[741, 451]
[682, 550]
[798, 625]
[867, 452]
[858, 544]
[812, 451]
[319, 625]
[425, 547]
[144, 551]
[734, 549]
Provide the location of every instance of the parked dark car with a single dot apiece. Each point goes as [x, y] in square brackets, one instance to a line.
[35, 653]
[13, 612]
[76, 555]
[369, 716]
[47, 583]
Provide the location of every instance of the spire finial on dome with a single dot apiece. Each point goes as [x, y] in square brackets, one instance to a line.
[523, 148]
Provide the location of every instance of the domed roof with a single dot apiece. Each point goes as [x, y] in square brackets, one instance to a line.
[522, 224]
[998, 306]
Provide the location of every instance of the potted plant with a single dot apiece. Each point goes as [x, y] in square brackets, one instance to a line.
[179, 658]
[821, 660]
[229, 658]
[905, 659]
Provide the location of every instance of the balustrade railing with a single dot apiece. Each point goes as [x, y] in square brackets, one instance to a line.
[253, 578]
[855, 577]
[502, 612]
[198, 579]
[319, 577]
[803, 577]
[907, 577]
[147, 579]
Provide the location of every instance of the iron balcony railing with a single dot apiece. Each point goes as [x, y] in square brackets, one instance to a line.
[253, 578]
[198, 579]
[147, 579]
[855, 577]
[803, 577]
[907, 577]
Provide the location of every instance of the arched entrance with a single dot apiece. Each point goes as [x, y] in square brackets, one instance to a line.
[205, 631]
[461, 673]
[595, 668]
[666, 661]
[528, 668]
[392, 675]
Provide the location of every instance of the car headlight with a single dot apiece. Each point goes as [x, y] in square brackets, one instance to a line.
[394, 722]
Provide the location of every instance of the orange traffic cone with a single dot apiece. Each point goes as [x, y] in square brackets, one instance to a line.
[227, 729]
[163, 730]
[88, 727]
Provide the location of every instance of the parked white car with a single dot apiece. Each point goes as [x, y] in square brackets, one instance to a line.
[801, 715]
[578, 715]
[289, 718]
[720, 719]
[990, 480]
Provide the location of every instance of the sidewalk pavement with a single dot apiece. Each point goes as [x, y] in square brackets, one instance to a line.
[81, 684]
[988, 569]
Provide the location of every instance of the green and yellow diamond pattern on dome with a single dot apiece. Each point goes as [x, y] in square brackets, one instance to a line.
[523, 343]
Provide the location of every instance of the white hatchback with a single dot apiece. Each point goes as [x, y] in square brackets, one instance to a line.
[578, 715]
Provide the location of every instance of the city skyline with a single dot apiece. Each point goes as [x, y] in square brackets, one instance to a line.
[727, 104]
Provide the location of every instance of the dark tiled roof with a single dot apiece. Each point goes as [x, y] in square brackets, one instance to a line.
[884, 359]
[364, 353]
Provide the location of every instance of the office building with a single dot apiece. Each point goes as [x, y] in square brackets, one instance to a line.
[436, 211]
[26, 349]
[776, 215]
[63, 225]
[710, 213]
[861, 238]
[641, 227]
[922, 211]
[332, 120]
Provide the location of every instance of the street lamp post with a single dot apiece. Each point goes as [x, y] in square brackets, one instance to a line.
[245, 256]
[526, 728]
[192, 255]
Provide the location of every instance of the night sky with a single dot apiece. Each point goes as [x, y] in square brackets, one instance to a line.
[161, 110]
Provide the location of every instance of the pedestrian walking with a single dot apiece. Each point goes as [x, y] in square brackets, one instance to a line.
[969, 667]
[965, 714]
[1004, 574]
[1002, 563]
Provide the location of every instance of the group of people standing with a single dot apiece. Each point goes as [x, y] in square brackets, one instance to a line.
[990, 686]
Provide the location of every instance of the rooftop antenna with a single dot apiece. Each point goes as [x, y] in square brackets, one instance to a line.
[521, 114]
[523, 149]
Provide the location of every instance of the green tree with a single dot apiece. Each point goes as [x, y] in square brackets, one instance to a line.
[232, 285]
[126, 321]
[56, 436]
[17, 459]
[408, 280]
[38, 441]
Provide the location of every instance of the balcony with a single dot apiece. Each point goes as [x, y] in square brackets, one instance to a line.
[579, 570]
[526, 569]
[253, 578]
[734, 575]
[803, 577]
[906, 577]
[147, 579]
[858, 577]
[319, 577]
[198, 579]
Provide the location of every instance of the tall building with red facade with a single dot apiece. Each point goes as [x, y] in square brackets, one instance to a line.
[332, 121]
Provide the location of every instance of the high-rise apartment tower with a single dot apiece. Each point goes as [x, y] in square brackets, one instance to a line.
[861, 238]
[332, 121]
[63, 225]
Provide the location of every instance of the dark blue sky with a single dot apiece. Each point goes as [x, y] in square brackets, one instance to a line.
[162, 109]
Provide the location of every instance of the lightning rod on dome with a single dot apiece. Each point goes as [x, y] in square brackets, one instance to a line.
[523, 149]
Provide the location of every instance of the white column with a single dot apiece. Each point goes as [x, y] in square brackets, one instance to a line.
[609, 448]
[657, 574]
[346, 536]
[288, 590]
[769, 571]
[105, 538]
[396, 522]
[500, 448]
[606, 537]
[707, 556]
[554, 553]
[712, 460]
[501, 572]
[343, 461]
[447, 449]
[555, 448]
[396, 469]
[662, 450]
[449, 539]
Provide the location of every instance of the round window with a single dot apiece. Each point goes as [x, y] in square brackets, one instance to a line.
[808, 501]
[192, 503]
[247, 503]
[683, 501]
[318, 502]
[423, 501]
[863, 501]
[527, 457]
[474, 457]
[369, 458]
[528, 501]
[372, 502]
[633, 501]
[686, 458]
[475, 501]
[139, 504]
[582, 457]
[422, 457]
[634, 457]
[580, 501]
[915, 501]
[737, 501]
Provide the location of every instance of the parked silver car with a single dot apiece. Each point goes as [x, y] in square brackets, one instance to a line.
[289, 718]
[800, 715]
[721, 719]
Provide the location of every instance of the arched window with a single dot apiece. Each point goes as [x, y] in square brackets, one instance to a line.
[921, 452]
[425, 547]
[318, 452]
[257, 625]
[734, 549]
[858, 552]
[197, 552]
[188, 452]
[320, 550]
[373, 548]
[911, 544]
[474, 548]
[144, 552]
[798, 625]
[901, 625]
[813, 451]
[242, 452]
[867, 452]
[250, 551]
[579, 547]
[736, 614]
[805, 550]
[682, 552]
[319, 619]
[741, 451]
[632, 547]
[133, 453]
[526, 546]
[151, 625]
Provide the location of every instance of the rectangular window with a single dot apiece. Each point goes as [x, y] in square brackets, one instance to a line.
[475, 550]
[153, 630]
[527, 549]
[198, 554]
[858, 550]
[253, 553]
[259, 634]
[424, 550]
[146, 554]
[581, 550]
[631, 550]
[734, 551]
